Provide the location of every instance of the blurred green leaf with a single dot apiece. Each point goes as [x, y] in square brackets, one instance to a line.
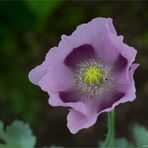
[17, 135]
[16, 16]
[140, 134]
[1, 128]
[119, 143]
[43, 9]
[122, 143]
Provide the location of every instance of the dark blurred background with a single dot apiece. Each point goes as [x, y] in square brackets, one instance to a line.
[28, 29]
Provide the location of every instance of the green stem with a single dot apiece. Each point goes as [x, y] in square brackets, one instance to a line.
[110, 139]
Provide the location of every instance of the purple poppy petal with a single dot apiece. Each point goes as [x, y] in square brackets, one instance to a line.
[128, 84]
[114, 48]
[55, 100]
[70, 96]
[37, 73]
[79, 54]
[130, 93]
[111, 26]
[53, 57]
[88, 34]
[109, 99]
[76, 121]
[56, 77]
[120, 64]
[124, 92]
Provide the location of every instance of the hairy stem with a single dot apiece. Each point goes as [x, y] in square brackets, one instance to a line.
[110, 139]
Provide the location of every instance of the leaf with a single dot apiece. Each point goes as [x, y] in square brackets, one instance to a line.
[140, 135]
[122, 143]
[18, 135]
[2, 146]
[119, 143]
[1, 133]
[42, 9]
[21, 19]
[1, 128]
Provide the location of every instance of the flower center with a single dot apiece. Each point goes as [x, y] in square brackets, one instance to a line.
[92, 75]
[93, 78]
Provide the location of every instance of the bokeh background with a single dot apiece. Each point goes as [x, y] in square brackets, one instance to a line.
[28, 29]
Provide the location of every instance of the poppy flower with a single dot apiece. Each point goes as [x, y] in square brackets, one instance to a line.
[91, 72]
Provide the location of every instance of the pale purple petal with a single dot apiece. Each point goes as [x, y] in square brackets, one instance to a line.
[113, 48]
[128, 85]
[92, 33]
[76, 121]
[109, 99]
[56, 77]
[55, 100]
[111, 26]
[37, 73]
[130, 94]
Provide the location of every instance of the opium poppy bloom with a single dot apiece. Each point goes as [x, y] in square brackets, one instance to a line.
[91, 71]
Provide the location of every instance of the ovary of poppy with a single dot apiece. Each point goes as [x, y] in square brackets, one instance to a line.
[91, 71]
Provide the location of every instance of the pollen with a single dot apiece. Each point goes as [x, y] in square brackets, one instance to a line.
[92, 75]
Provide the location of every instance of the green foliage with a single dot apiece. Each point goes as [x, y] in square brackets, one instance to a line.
[1, 128]
[43, 9]
[140, 135]
[119, 143]
[17, 135]
[16, 15]
[122, 143]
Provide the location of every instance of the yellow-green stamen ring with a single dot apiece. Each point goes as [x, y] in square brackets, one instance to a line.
[92, 75]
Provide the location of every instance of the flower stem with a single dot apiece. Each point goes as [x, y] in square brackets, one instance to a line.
[110, 139]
